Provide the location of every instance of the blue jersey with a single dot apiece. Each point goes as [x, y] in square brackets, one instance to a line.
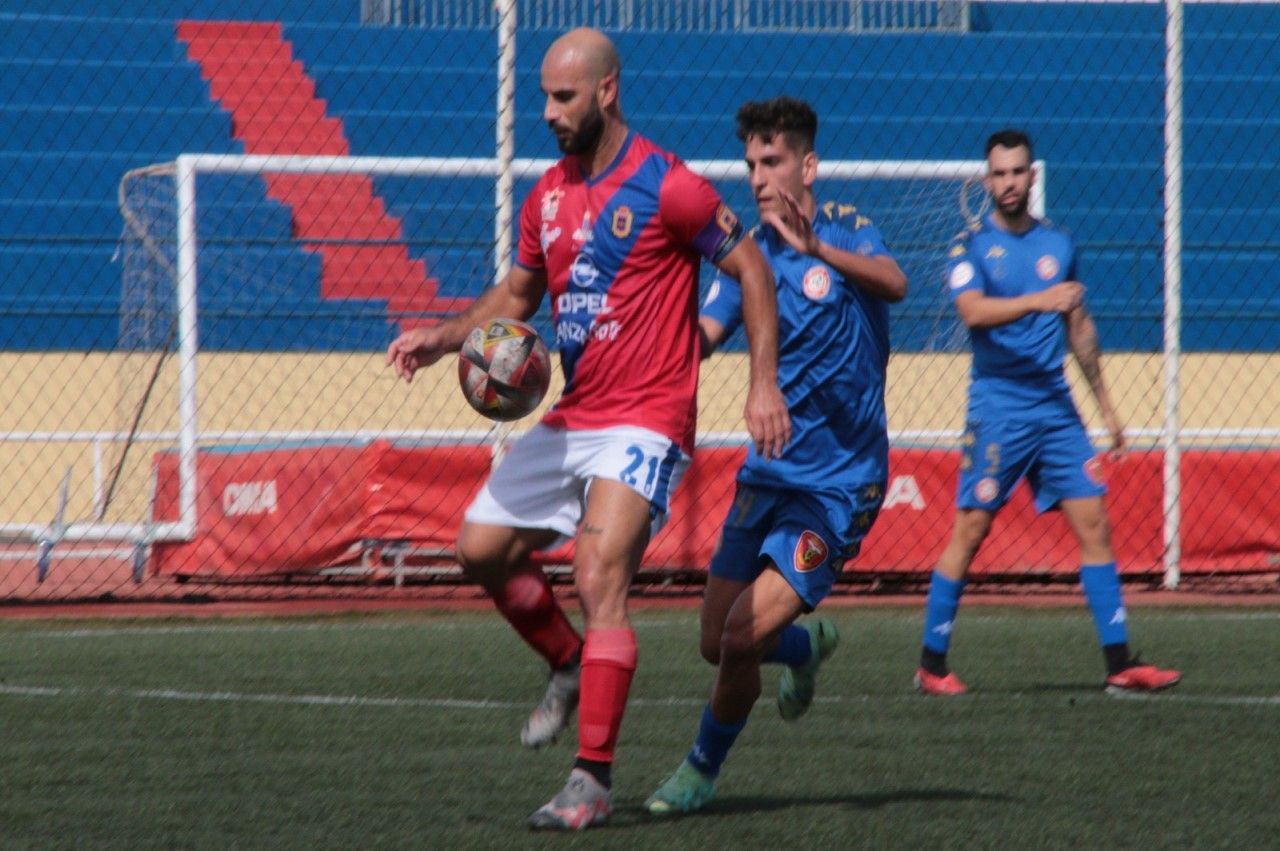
[833, 348]
[1017, 367]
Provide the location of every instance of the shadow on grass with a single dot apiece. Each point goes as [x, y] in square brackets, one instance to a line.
[736, 805]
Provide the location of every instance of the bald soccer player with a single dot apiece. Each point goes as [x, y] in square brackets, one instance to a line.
[616, 231]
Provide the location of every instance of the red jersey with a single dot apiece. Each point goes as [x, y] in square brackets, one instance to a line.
[621, 254]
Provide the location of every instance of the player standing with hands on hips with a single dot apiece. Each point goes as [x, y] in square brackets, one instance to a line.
[1012, 278]
[615, 230]
[796, 519]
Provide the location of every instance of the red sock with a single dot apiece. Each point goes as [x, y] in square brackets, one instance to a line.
[608, 663]
[529, 605]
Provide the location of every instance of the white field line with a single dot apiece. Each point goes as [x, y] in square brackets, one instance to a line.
[229, 627]
[362, 701]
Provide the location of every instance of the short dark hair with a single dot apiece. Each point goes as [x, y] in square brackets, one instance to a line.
[793, 119]
[1010, 139]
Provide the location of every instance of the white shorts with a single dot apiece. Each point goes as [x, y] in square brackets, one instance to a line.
[543, 480]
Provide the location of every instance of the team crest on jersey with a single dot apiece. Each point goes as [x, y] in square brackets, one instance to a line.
[817, 282]
[622, 221]
[995, 252]
[1093, 470]
[551, 203]
[1047, 267]
[811, 551]
[986, 489]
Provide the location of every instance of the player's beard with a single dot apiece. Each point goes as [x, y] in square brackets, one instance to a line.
[587, 136]
[1015, 208]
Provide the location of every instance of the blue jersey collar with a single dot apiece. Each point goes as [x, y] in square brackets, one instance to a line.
[617, 160]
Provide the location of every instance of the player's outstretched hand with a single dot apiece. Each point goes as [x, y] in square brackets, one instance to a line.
[792, 224]
[1063, 297]
[767, 419]
[415, 349]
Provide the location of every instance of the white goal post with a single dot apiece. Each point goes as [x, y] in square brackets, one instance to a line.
[185, 172]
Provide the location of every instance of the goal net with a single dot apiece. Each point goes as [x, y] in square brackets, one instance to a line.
[259, 294]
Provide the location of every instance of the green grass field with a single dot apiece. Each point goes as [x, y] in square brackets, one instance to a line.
[401, 731]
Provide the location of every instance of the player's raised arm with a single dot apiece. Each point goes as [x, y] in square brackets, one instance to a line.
[516, 296]
[877, 274]
[1082, 338]
[766, 411]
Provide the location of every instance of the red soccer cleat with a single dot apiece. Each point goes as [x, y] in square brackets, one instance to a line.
[1140, 678]
[933, 685]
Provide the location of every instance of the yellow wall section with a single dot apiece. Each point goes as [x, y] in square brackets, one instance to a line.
[321, 392]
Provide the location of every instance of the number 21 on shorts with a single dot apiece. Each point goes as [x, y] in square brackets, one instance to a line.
[641, 472]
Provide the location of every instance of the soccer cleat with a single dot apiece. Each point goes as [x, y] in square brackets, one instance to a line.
[686, 791]
[796, 686]
[1139, 678]
[549, 718]
[581, 804]
[935, 686]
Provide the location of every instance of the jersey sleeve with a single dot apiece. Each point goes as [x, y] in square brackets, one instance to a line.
[529, 247]
[723, 303]
[964, 272]
[694, 215]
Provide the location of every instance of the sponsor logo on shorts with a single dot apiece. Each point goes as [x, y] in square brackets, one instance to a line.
[817, 282]
[1047, 267]
[811, 551]
[1093, 470]
[961, 275]
[986, 489]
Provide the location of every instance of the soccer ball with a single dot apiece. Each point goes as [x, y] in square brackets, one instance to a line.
[504, 369]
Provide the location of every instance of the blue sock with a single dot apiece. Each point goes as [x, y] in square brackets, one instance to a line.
[794, 647]
[713, 743]
[940, 611]
[1102, 590]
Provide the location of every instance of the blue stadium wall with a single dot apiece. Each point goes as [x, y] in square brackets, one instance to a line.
[89, 97]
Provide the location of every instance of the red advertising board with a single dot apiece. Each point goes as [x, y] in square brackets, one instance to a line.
[278, 511]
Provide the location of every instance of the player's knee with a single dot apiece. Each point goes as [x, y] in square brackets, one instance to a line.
[971, 530]
[709, 646]
[737, 647]
[1094, 531]
[481, 560]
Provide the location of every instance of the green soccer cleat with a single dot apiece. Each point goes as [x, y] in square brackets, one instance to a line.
[686, 791]
[795, 688]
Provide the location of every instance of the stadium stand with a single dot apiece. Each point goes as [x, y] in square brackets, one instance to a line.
[94, 95]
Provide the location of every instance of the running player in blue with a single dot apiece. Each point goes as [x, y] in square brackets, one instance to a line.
[1012, 278]
[795, 519]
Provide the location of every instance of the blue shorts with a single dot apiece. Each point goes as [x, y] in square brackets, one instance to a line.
[1054, 455]
[807, 534]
